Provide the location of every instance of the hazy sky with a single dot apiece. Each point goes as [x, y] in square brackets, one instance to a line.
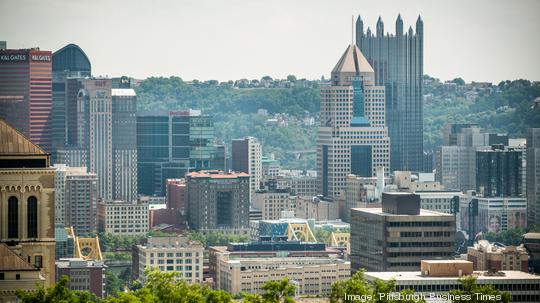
[201, 39]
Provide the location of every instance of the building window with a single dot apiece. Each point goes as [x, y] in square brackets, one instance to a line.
[17, 276]
[38, 261]
[32, 217]
[2, 276]
[13, 217]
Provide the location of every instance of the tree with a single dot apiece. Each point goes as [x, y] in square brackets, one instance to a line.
[278, 291]
[113, 284]
[291, 78]
[471, 290]
[459, 81]
[59, 293]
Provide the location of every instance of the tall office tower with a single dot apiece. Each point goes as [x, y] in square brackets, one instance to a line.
[94, 130]
[27, 204]
[398, 61]
[68, 64]
[246, 156]
[171, 144]
[26, 93]
[533, 176]
[353, 137]
[397, 236]
[498, 172]
[124, 143]
[451, 131]
[75, 198]
[455, 164]
[218, 201]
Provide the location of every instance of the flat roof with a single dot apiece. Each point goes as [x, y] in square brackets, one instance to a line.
[417, 276]
[423, 212]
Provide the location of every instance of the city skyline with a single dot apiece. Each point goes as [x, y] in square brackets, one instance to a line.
[207, 40]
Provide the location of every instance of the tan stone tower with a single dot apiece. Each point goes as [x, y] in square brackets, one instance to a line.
[27, 201]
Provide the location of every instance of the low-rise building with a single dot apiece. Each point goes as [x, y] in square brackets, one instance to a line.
[246, 267]
[436, 278]
[123, 218]
[171, 254]
[87, 275]
[272, 202]
[488, 256]
[318, 208]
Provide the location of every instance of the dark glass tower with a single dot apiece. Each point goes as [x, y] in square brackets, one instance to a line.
[68, 64]
[398, 61]
[169, 146]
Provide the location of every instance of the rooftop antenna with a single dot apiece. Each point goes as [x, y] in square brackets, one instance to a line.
[352, 29]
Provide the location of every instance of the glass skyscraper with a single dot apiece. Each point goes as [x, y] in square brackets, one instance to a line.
[398, 62]
[169, 145]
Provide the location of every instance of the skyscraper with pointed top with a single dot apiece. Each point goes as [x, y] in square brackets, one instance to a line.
[398, 62]
[352, 137]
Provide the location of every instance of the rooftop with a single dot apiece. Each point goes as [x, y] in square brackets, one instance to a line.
[14, 142]
[423, 212]
[216, 174]
[417, 276]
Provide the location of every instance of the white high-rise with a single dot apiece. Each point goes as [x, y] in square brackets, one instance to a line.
[353, 137]
[247, 158]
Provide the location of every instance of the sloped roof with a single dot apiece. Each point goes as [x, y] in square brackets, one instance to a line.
[14, 142]
[10, 261]
[352, 61]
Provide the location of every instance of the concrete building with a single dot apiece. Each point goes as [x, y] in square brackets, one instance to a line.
[455, 164]
[399, 235]
[26, 93]
[362, 192]
[437, 278]
[498, 172]
[491, 214]
[398, 63]
[300, 185]
[122, 218]
[317, 208]
[487, 256]
[16, 273]
[94, 130]
[218, 200]
[124, 143]
[75, 198]
[353, 137]
[246, 157]
[247, 267]
[270, 167]
[533, 176]
[272, 202]
[171, 254]
[456, 167]
[170, 144]
[26, 204]
[85, 275]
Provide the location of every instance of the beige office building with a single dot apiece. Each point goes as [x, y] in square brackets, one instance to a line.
[272, 203]
[310, 275]
[171, 254]
[122, 218]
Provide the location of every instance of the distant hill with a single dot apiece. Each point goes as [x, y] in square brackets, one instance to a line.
[506, 107]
